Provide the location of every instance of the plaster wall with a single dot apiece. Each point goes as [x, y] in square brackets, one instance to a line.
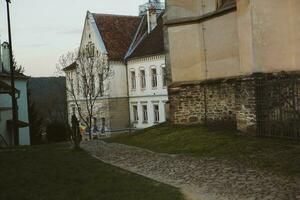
[276, 34]
[21, 85]
[147, 96]
[209, 49]
[189, 8]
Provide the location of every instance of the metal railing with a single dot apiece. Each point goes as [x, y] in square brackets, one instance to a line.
[3, 142]
[278, 107]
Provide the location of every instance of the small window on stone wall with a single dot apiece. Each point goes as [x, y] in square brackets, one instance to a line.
[224, 3]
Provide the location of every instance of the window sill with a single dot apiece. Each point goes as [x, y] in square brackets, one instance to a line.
[145, 122]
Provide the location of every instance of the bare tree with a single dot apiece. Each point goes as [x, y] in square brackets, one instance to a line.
[87, 80]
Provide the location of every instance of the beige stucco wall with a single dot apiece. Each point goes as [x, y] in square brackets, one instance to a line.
[177, 9]
[276, 27]
[222, 46]
[205, 50]
[185, 51]
[260, 36]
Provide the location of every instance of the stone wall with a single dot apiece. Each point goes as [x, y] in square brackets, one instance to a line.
[203, 102]
[260, 104]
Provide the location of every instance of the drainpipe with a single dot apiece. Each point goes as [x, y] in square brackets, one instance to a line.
[205, 62]
[127, 82]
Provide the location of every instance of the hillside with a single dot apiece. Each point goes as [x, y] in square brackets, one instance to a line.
[49, 96]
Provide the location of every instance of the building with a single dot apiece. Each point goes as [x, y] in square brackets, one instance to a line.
[6, 137]
[235, 63]
[127, 41]
[147, 83]
[110, 35]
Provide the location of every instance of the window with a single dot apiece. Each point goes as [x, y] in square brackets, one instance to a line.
[78, 86]
[72, 85]
[156, 113]
[143, 79]
[154, 77]
[164, 76]
[224, 3]
[135, 113]
[90, 49]
[84, 85]
[92, 86]
[145, 113]
[133, 80]
[101, 85]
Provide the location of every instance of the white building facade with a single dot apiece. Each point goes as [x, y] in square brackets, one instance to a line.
[111, 112]
[137, 91]
[6, 137]
[147, 91]
[147, 74]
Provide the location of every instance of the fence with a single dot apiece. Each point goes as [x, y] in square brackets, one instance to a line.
[278, 107]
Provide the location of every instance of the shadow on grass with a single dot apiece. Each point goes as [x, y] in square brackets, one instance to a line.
[59, 172]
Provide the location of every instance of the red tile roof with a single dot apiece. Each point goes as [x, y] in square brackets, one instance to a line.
[148, 44]
[117, 32]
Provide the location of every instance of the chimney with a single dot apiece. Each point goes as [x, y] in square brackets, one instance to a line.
[152, 15]
[5, 57]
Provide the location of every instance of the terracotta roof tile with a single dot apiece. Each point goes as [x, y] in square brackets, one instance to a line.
[117, 31]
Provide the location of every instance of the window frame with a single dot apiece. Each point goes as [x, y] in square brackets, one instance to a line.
[154, 82]
[143, 81]
[133, 79]
[135, 113]
[156, 113]
[164, 76]
[145, 114]
[101, 84]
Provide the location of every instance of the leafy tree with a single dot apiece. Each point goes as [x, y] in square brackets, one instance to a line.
[35, 123]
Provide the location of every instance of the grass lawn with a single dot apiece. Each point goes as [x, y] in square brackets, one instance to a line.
[55, 172]
[280, 156]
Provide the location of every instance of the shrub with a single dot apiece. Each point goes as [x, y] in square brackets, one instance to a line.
[57, 132]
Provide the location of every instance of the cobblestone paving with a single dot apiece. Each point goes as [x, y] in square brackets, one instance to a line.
[203, 179]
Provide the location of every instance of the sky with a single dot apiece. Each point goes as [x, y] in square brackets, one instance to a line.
[43, 30]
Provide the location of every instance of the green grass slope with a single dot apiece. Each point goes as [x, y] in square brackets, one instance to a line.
[55, 172]
[279, 156]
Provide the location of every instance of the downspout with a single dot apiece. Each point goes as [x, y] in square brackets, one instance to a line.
[127, 81]
[205, 63]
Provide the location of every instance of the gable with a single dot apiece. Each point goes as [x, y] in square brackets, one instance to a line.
[117, 32]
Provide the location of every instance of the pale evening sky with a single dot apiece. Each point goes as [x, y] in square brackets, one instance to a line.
[43, 30]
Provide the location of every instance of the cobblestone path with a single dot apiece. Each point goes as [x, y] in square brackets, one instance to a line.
[198, 178]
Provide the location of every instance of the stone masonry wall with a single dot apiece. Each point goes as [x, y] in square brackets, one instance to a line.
[260, 104]
[213, 103]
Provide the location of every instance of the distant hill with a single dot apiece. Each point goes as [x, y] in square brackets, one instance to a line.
[49, 96]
